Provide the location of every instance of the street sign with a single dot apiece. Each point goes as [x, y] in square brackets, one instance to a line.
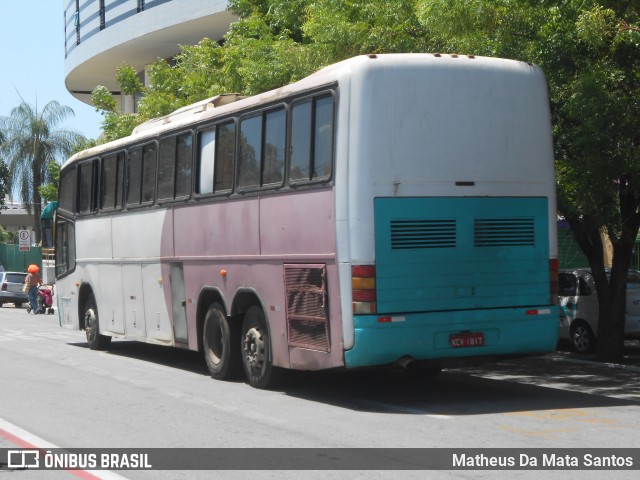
[24, 240]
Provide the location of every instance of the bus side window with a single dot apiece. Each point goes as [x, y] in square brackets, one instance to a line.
[274, 147]
[300, 141]
[225, 152]
[311, 139]
[141, 175]
[68, 190]
[184, 156]
[323, 138]
[119, 181]
[87, 187]
[133, 177]
[174, 167]
[112, 174]
[250, 152]
[205, 161]
[148, 173]
[65, 247]
[166, 168]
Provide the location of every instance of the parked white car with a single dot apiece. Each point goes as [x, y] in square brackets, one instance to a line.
[579, 313]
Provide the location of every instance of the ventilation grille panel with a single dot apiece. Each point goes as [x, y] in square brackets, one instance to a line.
[504, 232]
[307, 311]
[419, 234]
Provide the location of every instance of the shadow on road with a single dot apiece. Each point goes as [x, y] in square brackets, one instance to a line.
[186, 360]
[543, 383]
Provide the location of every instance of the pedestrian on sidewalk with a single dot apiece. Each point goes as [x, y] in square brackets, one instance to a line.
[32, 281]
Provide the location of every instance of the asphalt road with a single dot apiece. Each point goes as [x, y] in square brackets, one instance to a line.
[138, 395]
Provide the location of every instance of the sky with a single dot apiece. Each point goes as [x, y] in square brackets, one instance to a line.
[32, 40]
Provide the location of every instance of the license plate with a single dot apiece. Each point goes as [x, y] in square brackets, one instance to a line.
[462, 340]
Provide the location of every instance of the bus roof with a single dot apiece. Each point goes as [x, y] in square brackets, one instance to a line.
[228, 103]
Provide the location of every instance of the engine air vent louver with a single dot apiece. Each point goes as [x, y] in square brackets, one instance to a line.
[504, 232]
[307, 312]
[420, 234]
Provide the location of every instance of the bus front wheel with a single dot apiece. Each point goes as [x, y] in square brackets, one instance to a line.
[95, 340]
[220, 342]
[257, 357]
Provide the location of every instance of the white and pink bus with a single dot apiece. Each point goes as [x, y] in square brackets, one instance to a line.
[388, 209]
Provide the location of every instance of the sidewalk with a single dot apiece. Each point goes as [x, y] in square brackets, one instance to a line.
[630, 360]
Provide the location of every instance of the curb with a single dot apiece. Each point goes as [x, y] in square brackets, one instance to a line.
[618, 366]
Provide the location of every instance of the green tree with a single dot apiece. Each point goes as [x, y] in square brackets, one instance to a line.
[7, 237]
[49, 191]
[4, 177]
[31, 141]
[589, 50]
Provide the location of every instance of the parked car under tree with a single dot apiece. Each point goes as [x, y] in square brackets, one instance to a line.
[579, 302]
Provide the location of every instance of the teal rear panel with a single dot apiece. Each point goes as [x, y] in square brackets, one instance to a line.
[457, 253]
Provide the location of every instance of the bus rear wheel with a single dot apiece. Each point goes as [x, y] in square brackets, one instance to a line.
[95, 340]
[257, 357]
[221, 345]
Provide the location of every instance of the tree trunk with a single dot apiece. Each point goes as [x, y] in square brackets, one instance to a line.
[590, 242]
[610, 344]
[37, 200]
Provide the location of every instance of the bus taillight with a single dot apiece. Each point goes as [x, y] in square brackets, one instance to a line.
[363, 288]
[553, 280]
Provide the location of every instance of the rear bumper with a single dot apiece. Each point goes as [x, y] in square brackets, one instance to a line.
[426, 336]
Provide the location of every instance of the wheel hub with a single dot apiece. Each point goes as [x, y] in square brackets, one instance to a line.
[90, 323]
[253, 348]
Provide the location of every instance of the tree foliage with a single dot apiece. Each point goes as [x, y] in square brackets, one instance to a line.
[31, 141]
[589, 50]
[49, 191]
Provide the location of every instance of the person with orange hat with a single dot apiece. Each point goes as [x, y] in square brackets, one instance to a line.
[32, 282]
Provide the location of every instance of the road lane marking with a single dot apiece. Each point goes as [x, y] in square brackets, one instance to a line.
[396, 408]
[24, 439]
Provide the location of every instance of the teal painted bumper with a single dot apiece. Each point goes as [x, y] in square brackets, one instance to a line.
[427, 336]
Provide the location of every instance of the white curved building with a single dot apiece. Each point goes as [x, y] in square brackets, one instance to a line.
[101, 35]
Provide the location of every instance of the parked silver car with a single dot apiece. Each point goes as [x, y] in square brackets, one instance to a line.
[11, 285]
[579, 302]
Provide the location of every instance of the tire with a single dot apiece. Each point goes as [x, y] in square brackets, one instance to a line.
[582, 338]
[17, 304]
[221, 344]
[95, 340]
[257, 357]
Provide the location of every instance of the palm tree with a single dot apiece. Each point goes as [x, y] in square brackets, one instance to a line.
[30, 140]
